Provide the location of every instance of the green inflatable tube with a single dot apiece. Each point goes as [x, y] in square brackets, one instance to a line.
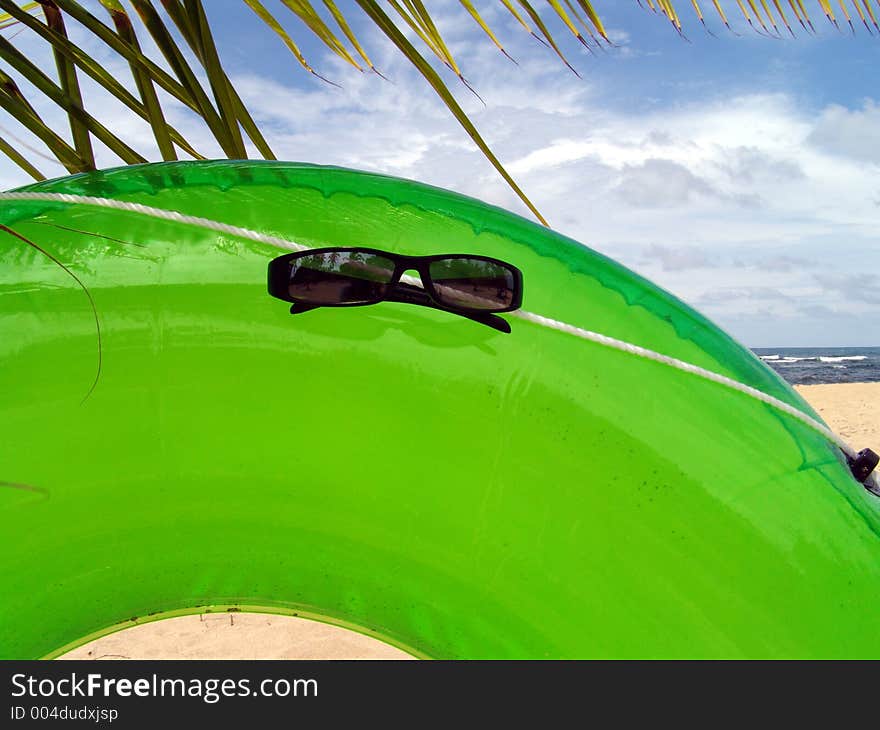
[421, 478]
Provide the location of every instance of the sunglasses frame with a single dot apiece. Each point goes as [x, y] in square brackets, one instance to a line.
[280, 269]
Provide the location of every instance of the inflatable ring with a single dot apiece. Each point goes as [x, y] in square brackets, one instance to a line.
[173, 441]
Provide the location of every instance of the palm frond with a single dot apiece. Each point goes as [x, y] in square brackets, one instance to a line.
[14, 155]
[469, 6]
[348, 33]
[189, 17]
[315, 23]
[6, 20]
[69, 104]
[545, 32]
[17, 106]
[181, 31]
[278, 29]
[69, 84]
[149, 98]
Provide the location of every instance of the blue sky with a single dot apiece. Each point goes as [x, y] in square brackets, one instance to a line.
[740, 173]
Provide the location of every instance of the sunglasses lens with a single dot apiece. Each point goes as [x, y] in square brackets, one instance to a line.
[340, 277]
[473, 284]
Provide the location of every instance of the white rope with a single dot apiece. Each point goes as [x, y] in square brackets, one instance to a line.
[595, 337]
[168, 215]
[688, 368]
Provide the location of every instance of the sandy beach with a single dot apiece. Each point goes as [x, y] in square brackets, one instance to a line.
[238, 636]
[851, 409]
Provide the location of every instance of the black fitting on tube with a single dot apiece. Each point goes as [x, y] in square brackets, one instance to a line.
[863, 464]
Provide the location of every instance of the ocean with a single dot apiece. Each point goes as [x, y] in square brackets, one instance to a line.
[808, 366]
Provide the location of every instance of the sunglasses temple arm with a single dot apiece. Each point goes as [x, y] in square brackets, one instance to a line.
[408, 294]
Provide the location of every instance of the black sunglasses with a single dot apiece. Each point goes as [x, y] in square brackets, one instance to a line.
[476, 287]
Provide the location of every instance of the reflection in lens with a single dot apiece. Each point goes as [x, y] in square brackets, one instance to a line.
[340, 277]
[472, 283]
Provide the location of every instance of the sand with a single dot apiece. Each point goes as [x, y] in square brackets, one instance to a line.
[851, 409]
[238, 636]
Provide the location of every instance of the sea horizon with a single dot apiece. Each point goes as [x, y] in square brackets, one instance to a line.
[819, 365]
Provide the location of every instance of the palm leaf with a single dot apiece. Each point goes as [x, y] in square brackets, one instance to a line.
[91, 67]
[142, 80]
[7, 21]
[871, 14]
[13, 154]
[189, 17]
[533, 14]
[519, 18]
[278, 29]
[560, 11]
[587, 7]
[469, 6]
[315, 23]
[15, 104]
[181, 27]
[69, 84]
[386, 26]
[106, 34]
[20, 63]
[347, 32]
[416, 27]
[585, 24]
[190, 90]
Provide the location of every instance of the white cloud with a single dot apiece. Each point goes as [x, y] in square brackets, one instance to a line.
[853, 133]
[657, 183]
[678, 258]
